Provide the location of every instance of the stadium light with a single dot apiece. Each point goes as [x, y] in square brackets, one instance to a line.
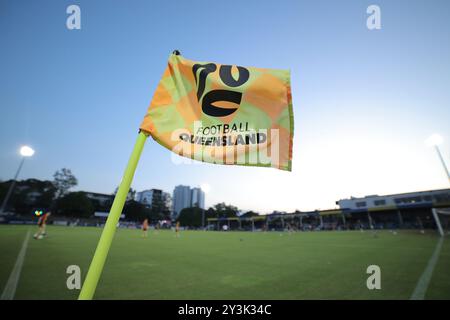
[25, 152]
[435, 140]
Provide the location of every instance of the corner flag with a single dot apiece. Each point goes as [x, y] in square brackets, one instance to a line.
[209, 112]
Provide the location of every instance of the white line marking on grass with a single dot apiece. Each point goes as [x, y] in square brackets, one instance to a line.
[13, 280]
[424, 281]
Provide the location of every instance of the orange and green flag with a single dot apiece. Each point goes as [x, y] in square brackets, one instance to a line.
[223, 114]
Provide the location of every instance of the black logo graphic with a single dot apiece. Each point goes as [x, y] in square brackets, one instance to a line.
[211, 97]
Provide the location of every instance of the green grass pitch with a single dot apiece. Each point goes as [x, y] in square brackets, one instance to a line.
[227, 265]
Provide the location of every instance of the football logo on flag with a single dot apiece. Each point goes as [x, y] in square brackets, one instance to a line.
[223, 114]
[219, 95]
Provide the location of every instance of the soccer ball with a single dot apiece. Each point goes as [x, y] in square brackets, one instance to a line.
[40, 237]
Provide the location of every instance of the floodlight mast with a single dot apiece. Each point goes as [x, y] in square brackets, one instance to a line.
[435, 140]
[25, 152]
[442, 161]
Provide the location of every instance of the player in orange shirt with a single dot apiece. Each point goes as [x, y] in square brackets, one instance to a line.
[42, 223]
[145, 228]
[177, 229]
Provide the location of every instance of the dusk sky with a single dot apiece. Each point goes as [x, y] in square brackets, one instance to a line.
[364, 100]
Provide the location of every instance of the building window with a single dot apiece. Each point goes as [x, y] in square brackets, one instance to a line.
[380, 202]
[442, 197]
[408, 200]
[361, 204]
[416, 199]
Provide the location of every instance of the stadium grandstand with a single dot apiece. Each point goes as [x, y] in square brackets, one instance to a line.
[412, 210]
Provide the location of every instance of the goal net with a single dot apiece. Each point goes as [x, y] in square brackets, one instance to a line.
[442, 219]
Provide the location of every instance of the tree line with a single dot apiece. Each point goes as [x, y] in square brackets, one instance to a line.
[193, 217]
[34, 194]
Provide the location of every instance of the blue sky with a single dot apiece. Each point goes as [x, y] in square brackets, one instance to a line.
[364, 101]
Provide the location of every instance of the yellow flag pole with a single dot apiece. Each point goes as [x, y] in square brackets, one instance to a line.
[98, 261]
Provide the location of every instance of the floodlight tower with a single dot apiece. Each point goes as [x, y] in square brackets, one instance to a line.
[25, 152]
[435, 140]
